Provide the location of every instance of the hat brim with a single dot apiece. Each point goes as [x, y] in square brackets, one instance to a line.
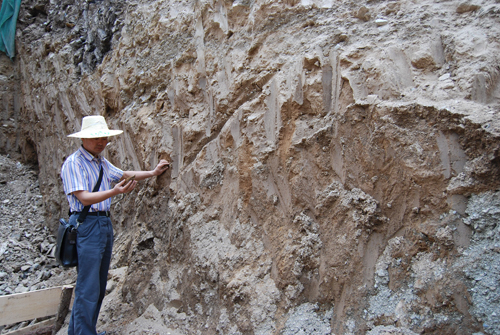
[96, 133]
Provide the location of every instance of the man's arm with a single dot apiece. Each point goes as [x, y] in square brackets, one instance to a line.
[89, 198]
[141, 175]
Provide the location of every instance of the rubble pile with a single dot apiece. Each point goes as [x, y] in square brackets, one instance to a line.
[27, 245]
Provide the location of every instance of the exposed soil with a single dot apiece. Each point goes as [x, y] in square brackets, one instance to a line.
[335, 164]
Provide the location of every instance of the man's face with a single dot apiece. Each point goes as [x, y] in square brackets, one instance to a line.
[95, 145]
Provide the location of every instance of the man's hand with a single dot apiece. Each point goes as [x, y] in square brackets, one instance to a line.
[141, 175]
[161, 167]
[125, 186]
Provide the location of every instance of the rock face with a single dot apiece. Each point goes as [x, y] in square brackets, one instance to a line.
[335, 164]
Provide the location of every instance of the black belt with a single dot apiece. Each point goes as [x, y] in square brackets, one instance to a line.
[101, 213]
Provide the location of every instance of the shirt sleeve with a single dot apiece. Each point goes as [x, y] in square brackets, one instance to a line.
[115, 174]
[74, 177]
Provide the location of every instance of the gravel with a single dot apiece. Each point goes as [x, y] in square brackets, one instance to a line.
[27, 246]
[481, 262]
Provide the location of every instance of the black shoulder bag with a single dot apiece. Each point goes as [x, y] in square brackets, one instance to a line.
[66, 254]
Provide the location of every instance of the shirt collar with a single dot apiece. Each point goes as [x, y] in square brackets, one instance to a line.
[88, 156]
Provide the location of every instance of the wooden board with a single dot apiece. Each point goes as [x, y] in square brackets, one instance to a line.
[31, 305]
[43, 327]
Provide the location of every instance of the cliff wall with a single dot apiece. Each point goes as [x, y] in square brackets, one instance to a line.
[335, 164]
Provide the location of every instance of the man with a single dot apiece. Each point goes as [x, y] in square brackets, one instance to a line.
[80, 173]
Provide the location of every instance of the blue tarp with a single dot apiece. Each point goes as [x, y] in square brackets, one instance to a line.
[8, 20]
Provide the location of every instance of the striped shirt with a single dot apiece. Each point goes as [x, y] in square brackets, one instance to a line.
[80, 172]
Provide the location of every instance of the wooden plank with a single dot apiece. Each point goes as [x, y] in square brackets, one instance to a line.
[44, 327]
[64, 306]
[30, 305]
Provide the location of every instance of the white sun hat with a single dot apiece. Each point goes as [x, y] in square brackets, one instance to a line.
[95, 126]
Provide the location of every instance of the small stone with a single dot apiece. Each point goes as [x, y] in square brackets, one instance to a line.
[16, 236]
[444, 77]
[465, 7]
[21, 289]
[46, 275]
[363, 14]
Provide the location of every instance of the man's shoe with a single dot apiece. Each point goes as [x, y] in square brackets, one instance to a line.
[102, 333]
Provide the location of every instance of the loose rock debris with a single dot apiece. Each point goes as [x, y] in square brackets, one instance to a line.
[27, 245]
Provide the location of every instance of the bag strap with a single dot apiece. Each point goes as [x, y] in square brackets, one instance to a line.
[85, 210]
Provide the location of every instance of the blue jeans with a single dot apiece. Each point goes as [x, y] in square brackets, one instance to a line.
[94, 245]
